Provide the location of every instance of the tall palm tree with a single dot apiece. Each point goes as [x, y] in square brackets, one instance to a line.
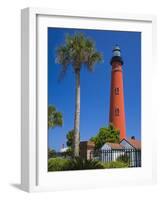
[55, 118]
[77, 51]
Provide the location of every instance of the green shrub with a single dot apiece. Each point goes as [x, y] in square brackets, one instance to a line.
[62, 164]
[82, 164]
[123, 158]
[115, 164]
[58, 164]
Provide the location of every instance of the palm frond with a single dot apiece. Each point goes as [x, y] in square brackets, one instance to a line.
[54, 118]
[82, 164]
[77, 51]
[94, 58]
[63, 58]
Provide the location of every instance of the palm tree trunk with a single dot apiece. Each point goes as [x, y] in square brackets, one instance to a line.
[77, 115]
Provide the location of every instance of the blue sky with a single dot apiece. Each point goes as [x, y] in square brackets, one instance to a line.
[95, 86]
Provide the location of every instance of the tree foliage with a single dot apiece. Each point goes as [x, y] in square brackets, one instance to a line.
[106, 134]
[70, 138]
[51, 153]
[55, 118]
[77, 51]
[70, 142]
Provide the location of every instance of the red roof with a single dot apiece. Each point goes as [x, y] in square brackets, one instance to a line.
[114, 145]
[133, 142]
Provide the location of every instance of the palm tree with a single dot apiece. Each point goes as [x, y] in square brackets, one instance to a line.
[55, 118]
[77, 51]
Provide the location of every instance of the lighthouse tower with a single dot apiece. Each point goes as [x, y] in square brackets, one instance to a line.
[117, 112]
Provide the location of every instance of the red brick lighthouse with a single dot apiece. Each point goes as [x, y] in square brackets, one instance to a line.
[117, 112]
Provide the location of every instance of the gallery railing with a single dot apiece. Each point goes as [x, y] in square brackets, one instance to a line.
[130, 156]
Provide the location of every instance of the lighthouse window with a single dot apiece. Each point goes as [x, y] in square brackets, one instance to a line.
[117, 112]
[116, 91]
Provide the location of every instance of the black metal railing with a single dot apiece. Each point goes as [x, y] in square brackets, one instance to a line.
[130, 156]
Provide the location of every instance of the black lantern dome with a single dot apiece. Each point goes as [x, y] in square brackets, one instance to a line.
[116, 55]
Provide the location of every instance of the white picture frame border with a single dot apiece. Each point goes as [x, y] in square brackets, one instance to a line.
[29, 139]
